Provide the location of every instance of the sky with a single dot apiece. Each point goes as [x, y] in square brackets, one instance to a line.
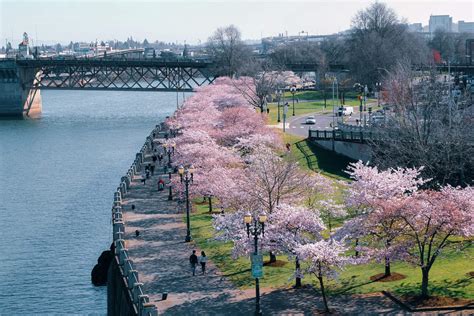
[194, 21]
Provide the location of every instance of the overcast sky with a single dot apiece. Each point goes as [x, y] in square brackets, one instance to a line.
[193, 20]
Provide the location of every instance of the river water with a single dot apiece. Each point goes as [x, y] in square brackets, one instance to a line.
[57, 178]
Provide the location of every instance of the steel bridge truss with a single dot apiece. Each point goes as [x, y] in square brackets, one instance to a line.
[120, 75]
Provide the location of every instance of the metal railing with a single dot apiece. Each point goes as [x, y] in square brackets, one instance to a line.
[339, 135]
[141, 301]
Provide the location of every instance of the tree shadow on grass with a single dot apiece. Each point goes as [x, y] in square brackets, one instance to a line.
[347, 285]
[449, 288]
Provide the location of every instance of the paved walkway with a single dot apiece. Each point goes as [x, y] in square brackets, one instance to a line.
[162, 259]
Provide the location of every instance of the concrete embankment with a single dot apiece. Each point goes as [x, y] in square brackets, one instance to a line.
[125, 292]
[17, 100]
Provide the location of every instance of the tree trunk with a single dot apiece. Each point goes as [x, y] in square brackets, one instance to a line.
[324, 99]
[273, 258]
[356, 245]
[424, 282]
[298, 279]
[323, 293]
[210, 204]
[387, 261]
[387, 267]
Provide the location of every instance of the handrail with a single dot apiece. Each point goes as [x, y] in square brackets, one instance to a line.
[360, 136]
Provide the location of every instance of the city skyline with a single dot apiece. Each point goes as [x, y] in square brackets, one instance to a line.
[86, 21]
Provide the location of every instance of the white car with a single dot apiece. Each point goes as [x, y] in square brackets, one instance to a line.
[310, 120]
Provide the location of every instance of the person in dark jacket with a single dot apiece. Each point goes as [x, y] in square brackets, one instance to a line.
[193, 260]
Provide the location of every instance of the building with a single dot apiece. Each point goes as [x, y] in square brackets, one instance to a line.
[415, 27]
[23, 47]
[465, 27]
[440, 22]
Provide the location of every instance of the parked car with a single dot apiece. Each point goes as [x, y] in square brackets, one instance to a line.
[310, 120]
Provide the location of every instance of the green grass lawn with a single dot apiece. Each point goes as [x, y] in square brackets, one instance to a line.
[448, 276]
[315, 158]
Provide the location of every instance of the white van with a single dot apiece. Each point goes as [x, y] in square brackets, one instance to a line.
[346, 110]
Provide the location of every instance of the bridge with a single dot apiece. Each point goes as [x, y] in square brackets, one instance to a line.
[352, 144]
[22, 79]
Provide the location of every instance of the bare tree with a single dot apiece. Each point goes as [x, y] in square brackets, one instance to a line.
[228, 50]
[335, 51]
[451, 46]
[380, 40]
[427, 127]
[301, 52]
[264, 80]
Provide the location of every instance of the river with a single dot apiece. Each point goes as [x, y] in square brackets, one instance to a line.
[57, 178]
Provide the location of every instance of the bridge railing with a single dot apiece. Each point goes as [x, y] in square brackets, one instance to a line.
[349, 136]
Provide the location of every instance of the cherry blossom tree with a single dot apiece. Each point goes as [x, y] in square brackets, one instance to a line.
[323, 259]
[379, 195]
[432, 218]
[286, 229]
[271, 180]
[291, 227]
[330, 211]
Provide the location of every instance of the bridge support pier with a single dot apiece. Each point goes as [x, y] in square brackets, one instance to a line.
[17, 99]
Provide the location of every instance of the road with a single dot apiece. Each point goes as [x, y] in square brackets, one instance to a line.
[297, 125]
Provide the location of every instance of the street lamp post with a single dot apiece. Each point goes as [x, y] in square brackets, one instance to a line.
[170, 193]
[293, 91]
[186, 175]
[257, 229]
[334, 83]
[360, 89]
[169, 148]
[278, 93]
[366, 92]
[379, 87]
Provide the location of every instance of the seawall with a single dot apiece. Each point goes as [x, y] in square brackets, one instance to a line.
[125, 293]
[356, 151]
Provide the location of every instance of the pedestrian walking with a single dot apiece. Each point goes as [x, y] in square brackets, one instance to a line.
[160, 158]
[202, 261]
[161, 184]
[152, 169]
[193, 260]
[143, 177]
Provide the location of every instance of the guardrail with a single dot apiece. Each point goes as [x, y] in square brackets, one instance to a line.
[351, 136]
[141, 301]
[348, 127]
